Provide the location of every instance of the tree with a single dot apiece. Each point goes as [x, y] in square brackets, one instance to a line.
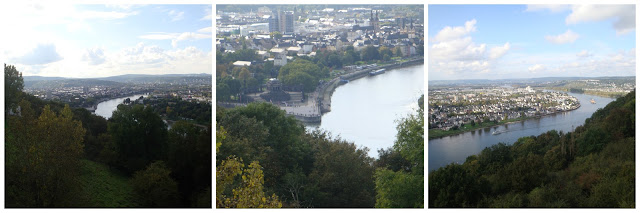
[303, 71]
[42, 157]
[154, 186]
[277, 35]
[223, 92]
[402, 188]
[300, 78]
[250, 192]
[385, 52]
[243, 76]
[399, 189]
[342, 174]
[139, 135]
[334, 61]
[370, 53]
[190, 159]
[397, 52]
[13, 84]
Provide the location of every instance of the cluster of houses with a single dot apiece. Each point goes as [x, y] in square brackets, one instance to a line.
[451, 108]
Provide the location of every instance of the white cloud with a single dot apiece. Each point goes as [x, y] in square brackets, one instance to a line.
[208, 14]
[205, 30]
[104, 15]
[623, 15]
[94, 56]
[584, 54]
[498, 52]
[567, 37]
[41, 54]
[176, 16]
[554, 8]
[453, 51]
[176, 37]
[450, 33]
[536, 68]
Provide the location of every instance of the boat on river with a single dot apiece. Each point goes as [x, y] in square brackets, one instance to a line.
[377, 72]
[497, 132]
[593, 101]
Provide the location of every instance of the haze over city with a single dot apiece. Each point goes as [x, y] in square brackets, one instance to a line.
[98, 41]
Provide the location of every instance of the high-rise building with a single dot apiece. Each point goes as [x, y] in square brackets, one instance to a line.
[273, 23]
[281, 22]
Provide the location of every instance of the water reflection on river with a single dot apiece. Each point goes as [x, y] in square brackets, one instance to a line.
[457, 148]
[365, 111]
[106, 108]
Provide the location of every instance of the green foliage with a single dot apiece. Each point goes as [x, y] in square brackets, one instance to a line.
[300, 78]
[302, 72]
[370, 53]
[342, 174]
[410, 139]
[13, 84]
[238, 55]
[594, 166]
[95, 126]
[155, 187]
[403, 186]
[43, 157]
[177, 109]
[250, 192]
[399, 189]
[276, 35]
[139, 136]
[453, 186]
[189, 158]
[302, 169]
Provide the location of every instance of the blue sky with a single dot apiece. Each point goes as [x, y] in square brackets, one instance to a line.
[524, 41]
[105, 40]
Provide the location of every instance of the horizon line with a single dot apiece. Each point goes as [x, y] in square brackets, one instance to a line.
[533, 78]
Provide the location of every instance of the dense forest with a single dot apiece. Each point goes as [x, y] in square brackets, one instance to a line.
[593, 166]
[56, 156]
[265, 159]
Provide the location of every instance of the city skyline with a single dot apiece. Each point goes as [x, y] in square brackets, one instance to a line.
[530, 41]
[87, 41]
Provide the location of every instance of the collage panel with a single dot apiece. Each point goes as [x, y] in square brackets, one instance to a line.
[531, 106]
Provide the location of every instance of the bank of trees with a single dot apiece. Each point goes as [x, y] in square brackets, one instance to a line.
[312, 169]
[593, 166]
[46, 144]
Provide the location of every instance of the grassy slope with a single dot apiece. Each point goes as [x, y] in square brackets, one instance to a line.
[102, 187]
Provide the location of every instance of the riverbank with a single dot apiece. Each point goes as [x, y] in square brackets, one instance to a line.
[438, 133]
[325, 91]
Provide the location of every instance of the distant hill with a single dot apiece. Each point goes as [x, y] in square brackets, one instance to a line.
[40, 78]
[120, 80]
[168, 78]
[70, 83]
[517, 80]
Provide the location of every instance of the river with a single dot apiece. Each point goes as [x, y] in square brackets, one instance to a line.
[457, 148]
[106, 108]
[365, 111]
